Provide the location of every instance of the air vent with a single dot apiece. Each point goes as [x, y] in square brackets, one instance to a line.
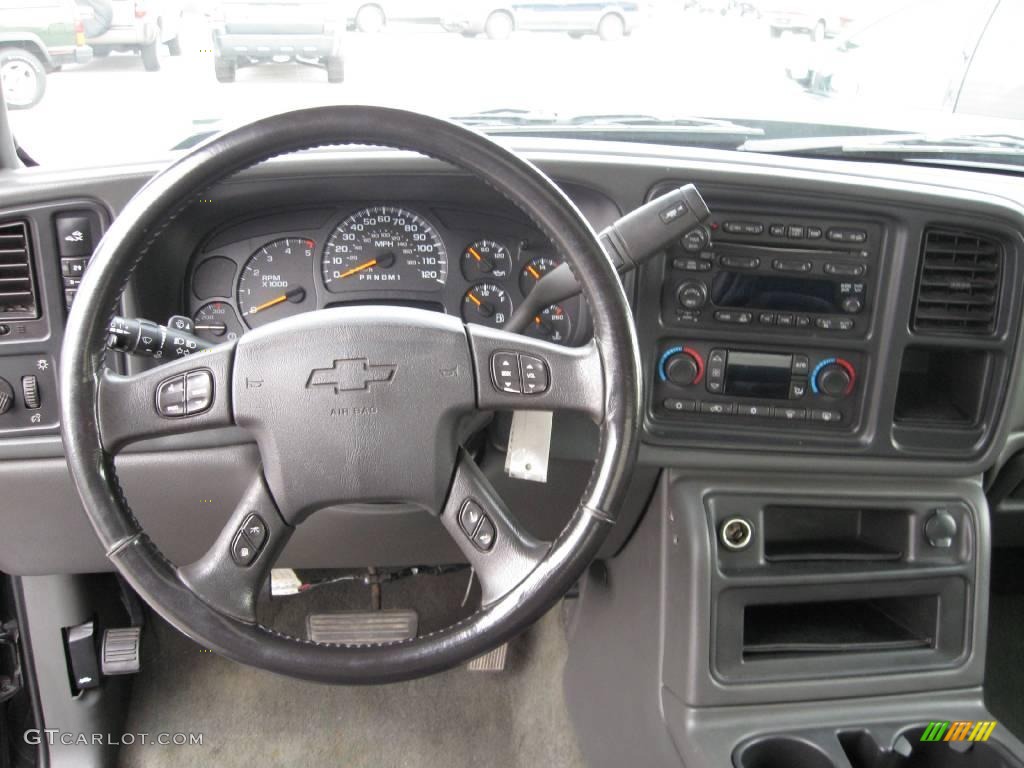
[17, 291]
[958, 290]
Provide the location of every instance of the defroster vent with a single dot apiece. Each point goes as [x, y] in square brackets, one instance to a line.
[17, 286]
[958, 287]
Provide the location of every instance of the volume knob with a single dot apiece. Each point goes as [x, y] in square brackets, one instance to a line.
[692, 295]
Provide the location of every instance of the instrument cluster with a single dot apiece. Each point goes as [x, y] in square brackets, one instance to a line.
[478, 266]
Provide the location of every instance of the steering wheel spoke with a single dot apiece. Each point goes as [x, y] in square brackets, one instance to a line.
[501, 552]
[520, 373]
[186, 395]
[230, 576]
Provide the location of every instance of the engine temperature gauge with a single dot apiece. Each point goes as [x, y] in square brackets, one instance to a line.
[486, 304]
[552, 324]
[216, 322]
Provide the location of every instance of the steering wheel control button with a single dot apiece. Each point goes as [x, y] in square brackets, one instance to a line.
[485, 535]
[535, 375]
[505, 372]
[198, 392]
[243, 552]
[470, 517]
[255, 530]
[170, 397]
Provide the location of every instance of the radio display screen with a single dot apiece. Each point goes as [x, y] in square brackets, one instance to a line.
[752, 290]
[758, 374]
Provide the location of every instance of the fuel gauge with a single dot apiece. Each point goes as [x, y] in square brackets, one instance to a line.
[486, 304]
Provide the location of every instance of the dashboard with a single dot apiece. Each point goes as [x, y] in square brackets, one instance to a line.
[472, 264]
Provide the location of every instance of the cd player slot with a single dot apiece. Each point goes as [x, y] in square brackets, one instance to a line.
[767, 251]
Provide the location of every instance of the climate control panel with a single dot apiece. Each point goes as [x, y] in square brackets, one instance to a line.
[701, 379]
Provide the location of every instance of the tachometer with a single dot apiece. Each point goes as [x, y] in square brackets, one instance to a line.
[384, 248]
[275, 280]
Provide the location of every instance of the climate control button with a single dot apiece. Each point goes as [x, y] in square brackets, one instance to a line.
[833, 377]
[681, 366]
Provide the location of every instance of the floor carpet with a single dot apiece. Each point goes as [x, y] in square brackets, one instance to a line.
[457, 719]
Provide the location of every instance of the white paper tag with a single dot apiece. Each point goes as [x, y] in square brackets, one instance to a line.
[283, 581]
[529, 445]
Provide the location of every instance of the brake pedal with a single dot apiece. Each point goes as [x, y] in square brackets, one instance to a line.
[363, 627]
[122, 650]
[492, 661]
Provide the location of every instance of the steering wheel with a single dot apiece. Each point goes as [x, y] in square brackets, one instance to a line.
[353, 404]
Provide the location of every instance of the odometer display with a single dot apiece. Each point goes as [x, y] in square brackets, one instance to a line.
[384, 248]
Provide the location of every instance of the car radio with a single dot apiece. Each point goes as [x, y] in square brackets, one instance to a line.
[773, 274]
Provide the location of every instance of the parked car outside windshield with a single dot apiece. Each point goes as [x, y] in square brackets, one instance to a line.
[664, 71]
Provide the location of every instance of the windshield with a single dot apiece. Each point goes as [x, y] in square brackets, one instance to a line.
[101, 82]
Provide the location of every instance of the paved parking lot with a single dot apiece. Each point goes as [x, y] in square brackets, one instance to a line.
[687, 63]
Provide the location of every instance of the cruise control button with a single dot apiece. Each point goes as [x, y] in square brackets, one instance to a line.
[505, 372]
[198, 392]
[170, 397]
[485, 535]
[242, 550]
[535, 375]
[470, 517]
[680, 406]
[255, 530]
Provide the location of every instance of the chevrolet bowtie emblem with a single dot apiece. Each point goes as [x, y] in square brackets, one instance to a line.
[350, 375]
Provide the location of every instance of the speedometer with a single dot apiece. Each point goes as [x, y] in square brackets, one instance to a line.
[384, 248]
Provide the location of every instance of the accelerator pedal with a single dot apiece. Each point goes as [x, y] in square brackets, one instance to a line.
[363, 627]
[492, 661]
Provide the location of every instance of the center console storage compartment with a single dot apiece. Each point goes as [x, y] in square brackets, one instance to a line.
[824, 589]
[840, 626]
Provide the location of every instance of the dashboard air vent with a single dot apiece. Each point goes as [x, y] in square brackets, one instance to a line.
[958, 288]
[17, 290]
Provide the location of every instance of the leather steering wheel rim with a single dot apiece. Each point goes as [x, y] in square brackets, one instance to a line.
[159, 581]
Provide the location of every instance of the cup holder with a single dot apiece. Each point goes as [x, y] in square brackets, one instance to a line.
[782, 752]
[908, 751]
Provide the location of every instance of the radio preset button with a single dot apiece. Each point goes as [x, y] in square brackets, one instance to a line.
[766, 318]
[740, 262]
[789, 265]
[794, 232]
[786, 319]
[803, 321]
[846, 270]
[777, 230]
[814, 233]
